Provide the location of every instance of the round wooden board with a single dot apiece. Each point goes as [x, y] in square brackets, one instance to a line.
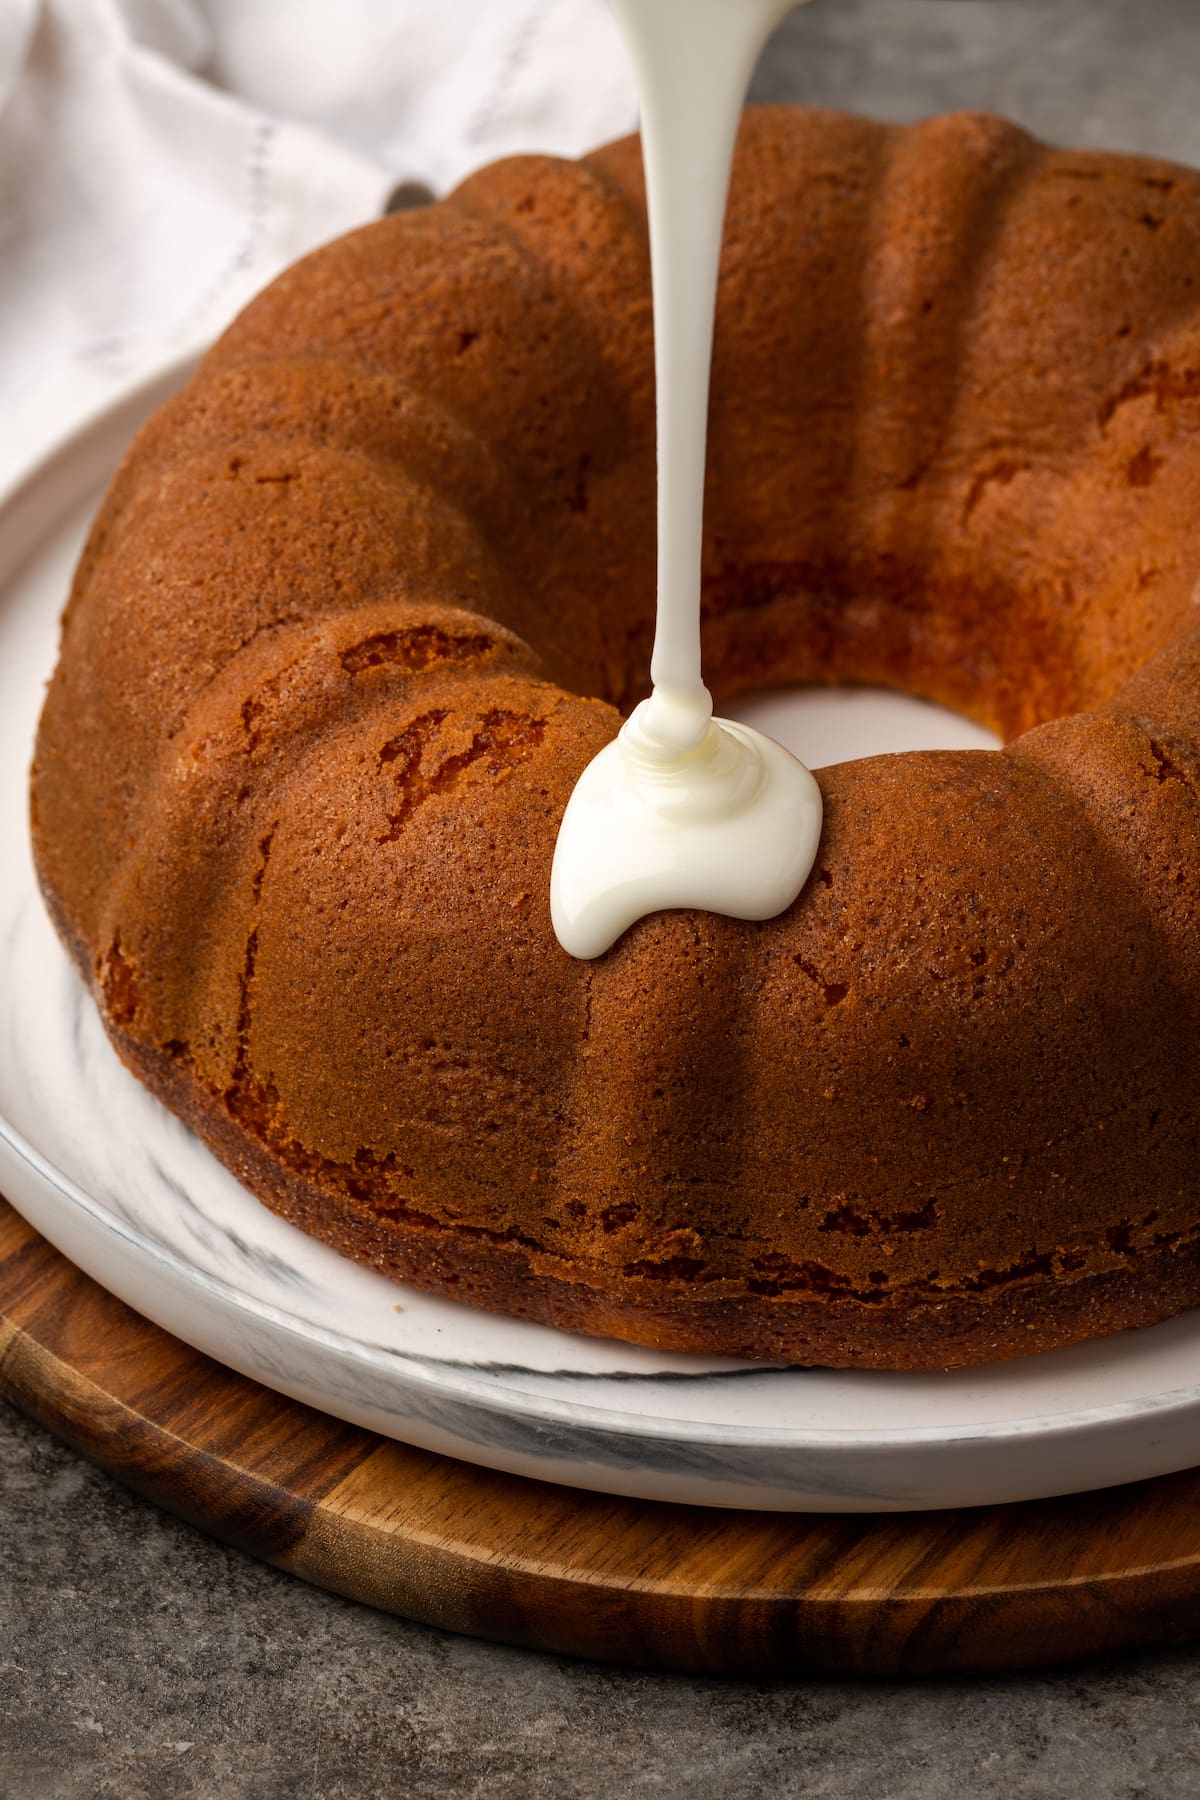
[624, 1580]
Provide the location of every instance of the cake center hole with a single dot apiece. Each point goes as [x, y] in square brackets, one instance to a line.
[824, 725]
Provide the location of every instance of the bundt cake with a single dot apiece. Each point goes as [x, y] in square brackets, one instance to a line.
[367, 596]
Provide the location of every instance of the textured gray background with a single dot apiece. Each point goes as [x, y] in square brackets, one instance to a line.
[1121, 73]
[139, 1659]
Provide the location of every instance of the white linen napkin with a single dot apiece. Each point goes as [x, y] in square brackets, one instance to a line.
[160, 160]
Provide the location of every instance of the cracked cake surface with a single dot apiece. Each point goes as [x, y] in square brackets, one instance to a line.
[366, 597]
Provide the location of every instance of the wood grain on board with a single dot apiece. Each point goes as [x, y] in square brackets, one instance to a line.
[628, 1581]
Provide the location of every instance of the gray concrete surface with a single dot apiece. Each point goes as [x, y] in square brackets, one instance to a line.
[140, 1660]
[1117, 73]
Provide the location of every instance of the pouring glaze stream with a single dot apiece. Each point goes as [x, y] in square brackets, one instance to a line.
[683, 809]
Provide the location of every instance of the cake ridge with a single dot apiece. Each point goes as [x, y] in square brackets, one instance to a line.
[981, 974]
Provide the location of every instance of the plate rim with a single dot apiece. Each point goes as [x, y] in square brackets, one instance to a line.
[442, 1376]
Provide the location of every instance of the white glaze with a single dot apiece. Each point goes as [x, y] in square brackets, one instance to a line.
[684, 810]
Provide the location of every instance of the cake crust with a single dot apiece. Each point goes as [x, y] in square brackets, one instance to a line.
[365, 599]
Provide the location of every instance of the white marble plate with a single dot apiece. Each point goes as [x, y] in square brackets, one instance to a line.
[118, 1185]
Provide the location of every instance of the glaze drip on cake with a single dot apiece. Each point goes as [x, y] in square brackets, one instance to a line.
[684, 810]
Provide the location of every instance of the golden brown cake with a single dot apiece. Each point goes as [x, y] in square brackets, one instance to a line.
[364, 600]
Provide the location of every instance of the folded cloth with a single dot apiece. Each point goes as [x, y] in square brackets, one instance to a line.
[431, 87]
[160, 160]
